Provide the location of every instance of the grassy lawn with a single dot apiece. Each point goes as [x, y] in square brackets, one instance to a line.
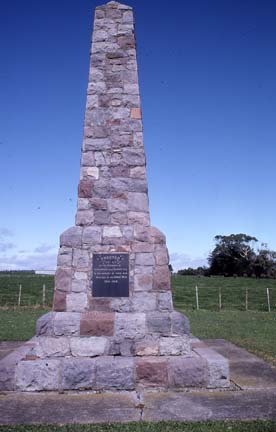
[257, 426]
[254, 331]
[31, 288]
[19, 324]
[232, 291]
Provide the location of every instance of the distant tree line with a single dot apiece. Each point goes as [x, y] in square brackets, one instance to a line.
[17, 271]
[237, 255]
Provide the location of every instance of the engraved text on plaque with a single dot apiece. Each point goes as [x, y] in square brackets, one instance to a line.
[110, 275]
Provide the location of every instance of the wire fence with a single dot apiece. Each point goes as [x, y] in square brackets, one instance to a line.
[21, 290]
[218, 294]
[224, 294]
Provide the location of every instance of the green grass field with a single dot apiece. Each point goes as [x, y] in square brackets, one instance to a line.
[31, 289]
[233, 292]
[256, 426]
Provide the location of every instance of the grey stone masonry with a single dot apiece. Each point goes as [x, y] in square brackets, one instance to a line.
[94, 339]
[113, 208]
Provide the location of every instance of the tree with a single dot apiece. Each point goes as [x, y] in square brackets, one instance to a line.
[232, 255]
[171, 268]
[264, 264]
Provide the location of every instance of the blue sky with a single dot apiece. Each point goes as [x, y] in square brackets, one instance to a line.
[207, 79]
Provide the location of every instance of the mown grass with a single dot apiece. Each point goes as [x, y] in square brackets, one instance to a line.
[31, 289]
[255, 426]
[19, 324]
[254, 331]
[233, 292]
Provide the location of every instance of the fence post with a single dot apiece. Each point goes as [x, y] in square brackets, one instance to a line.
[19, 295]
[43, 295]
[246, 298]
[197, 302]
[268, 299]
[220, 302]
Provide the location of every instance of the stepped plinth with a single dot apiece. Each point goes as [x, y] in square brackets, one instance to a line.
[113, 325]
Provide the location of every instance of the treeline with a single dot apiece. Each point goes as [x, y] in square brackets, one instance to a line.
[237, 255]
[17, 271]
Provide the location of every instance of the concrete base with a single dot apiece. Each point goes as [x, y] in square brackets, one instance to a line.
[251, 396]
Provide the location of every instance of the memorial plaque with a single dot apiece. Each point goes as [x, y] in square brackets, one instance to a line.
[110, 275]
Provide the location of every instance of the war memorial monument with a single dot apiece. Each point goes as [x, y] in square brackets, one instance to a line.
[113, 325]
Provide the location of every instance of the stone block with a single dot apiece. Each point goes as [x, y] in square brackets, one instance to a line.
[44, 324]
[157, 237]
[80, 259]
[134, 157]
[66, 324]
[144, 259]
[112, 232]
[97, 324]
[161, 278]
[91, 235]
[126, 348]
[93, 172]
[141, 218]
[131, 89]
[120, 305]
[80, 275]
[119, 218]
[119, 184]
[161, 257]
[85, 217]
[152, 372]
[38, 375]
[164, 301]
[84, 204]
[144, 301]
[89, 346]
[176, 345]
[102, 158]
[115, 373]
[180, 323]
[59, 304]
[218, 367]
[149, 346]
[85, 189]
[136, 113]
[187, 372]
[128, 233]
[63, 278]
[87, 159]
[52, 347]
[78, 374]
[130, 326]
[117, 205]
[98, 204]
[141, 234]
[128, 17]
[138, 172]
[160, 323]
[79, 286]
[138, 202]
[142, 282]
[76, 302]
[71, 237]
[64, 257]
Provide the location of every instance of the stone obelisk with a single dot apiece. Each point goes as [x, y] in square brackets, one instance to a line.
[113, 325]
